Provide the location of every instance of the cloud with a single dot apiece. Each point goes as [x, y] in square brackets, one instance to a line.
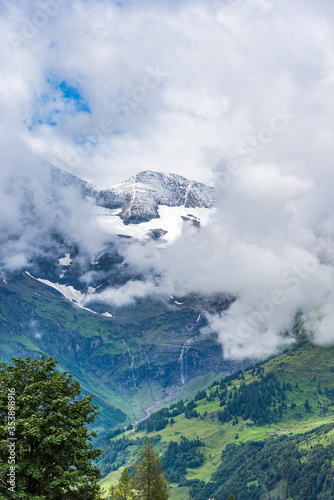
[234, 93]
[35, 214]
[215, 90]
[125, 294]
[256, 249]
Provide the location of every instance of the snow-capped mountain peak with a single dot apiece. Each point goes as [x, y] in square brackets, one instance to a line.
[149, 203]
[139, 197]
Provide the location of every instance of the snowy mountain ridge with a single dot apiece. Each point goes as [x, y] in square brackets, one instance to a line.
[138, 198]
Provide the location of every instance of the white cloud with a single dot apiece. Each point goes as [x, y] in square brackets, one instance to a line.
[125, 294]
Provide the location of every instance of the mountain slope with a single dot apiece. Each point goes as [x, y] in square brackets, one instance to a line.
[269, 405]
[147, 352]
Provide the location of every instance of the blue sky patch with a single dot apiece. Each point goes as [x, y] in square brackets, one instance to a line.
[73, 94]
[60, 99]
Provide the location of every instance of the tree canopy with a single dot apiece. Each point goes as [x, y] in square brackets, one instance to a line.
[53, 450]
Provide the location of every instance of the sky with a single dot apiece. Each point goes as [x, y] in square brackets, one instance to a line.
[234, 93]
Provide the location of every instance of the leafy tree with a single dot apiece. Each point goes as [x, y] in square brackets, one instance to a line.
[231, 497]
[52, 449]
[149, 480]
[124, 490]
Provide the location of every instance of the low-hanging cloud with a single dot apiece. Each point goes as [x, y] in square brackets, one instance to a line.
[126, 294]
[256, 249]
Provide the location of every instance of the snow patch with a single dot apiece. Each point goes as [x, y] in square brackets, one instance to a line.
[170, 220]
[68, 291]
[3, 277]
[65, 261]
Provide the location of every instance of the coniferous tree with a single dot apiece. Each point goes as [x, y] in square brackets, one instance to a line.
[124, 490]
[231, 497]
[307, 406]
[149, 480]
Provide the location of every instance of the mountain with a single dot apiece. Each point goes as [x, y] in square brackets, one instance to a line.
[132, 357]
[263, 433]
[138, 198]
[149, 206]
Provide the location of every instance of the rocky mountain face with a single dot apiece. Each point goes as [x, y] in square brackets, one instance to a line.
[139, 197]
[130, 357]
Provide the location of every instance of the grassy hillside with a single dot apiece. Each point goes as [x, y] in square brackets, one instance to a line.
[289, 395]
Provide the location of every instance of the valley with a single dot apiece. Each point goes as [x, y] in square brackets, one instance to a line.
[302, 373]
